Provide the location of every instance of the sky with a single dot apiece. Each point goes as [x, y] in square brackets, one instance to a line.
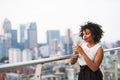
[63, 14]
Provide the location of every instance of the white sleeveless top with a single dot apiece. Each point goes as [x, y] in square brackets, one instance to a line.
[90, 52]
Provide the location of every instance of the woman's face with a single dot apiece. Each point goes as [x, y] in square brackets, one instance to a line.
[87, 35]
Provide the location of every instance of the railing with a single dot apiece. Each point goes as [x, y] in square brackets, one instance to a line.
[115, 58]
[40, 62]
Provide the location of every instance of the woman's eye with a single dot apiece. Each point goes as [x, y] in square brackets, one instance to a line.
[87, 33]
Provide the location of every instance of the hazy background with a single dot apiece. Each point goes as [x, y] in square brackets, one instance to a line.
[63, 14]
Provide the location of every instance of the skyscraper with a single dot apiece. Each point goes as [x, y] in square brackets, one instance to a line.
[6, 26]
[14, 38]
[51, 35]
[32, 35]
[1, 47]
[28, 35]
[6, 36]
[54, 46]
[22, 39]
[22, 33]
[68, 42]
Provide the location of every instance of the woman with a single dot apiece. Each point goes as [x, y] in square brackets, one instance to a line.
[90, 53]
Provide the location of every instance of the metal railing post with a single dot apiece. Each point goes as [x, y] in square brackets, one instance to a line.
[116, 64]
[102, 69]
[38, 72]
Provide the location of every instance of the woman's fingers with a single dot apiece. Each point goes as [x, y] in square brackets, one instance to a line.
[76, 48]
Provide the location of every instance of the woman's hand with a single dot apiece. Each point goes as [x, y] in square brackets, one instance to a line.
[78, 50]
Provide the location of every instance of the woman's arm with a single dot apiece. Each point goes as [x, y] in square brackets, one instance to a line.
[73, 60]
[94, 65]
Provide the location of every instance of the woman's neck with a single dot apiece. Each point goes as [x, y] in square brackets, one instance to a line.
[91, 44]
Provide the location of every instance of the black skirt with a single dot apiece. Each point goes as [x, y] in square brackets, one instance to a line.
[87, 74]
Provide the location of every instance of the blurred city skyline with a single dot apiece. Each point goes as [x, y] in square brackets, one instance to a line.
[63, 14]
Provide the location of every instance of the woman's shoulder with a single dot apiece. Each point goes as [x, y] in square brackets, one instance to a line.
[98, 45]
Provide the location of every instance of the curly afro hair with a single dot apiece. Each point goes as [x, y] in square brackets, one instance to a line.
[95, 30]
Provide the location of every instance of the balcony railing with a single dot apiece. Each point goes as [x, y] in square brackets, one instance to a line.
[40, 63]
